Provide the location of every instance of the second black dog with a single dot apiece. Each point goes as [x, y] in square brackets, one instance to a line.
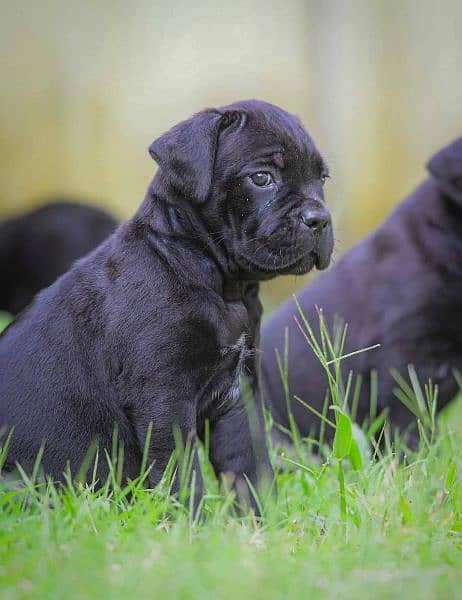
[401, 288]
[158, 324]
[39, 246]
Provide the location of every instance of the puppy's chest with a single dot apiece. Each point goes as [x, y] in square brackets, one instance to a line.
[236, 343]
[233, 323]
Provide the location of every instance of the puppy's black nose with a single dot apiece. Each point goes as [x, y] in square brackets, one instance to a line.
[316, 220]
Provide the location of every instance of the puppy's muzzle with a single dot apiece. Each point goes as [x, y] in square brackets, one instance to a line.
[316, 229]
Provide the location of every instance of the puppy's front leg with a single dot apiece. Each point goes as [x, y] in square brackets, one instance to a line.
[238, 446]
[253, 367]
[238, 450]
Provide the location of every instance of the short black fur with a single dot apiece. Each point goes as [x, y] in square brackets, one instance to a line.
[160, 322]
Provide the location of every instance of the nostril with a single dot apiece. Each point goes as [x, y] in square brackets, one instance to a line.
[316, 221]
[313, 223]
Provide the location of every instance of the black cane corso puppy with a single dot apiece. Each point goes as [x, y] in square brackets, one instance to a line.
[37, 247]
[159, 322]
[401, 288]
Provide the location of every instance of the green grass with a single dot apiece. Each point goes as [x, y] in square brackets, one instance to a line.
[395, 529]
[5, 319]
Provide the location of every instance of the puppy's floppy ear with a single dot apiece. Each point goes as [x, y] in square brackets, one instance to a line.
[186, 153]
[446, 168]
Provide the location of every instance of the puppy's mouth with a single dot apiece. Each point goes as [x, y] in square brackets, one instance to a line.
[322, 260]
[265, 258]
[273, 266]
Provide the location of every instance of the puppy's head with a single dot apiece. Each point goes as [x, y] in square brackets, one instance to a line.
[256, 177]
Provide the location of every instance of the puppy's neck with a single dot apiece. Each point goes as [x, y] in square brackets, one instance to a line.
[180, 225]
[233, 290]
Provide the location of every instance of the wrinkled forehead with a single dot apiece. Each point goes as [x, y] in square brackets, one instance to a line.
[271, 133]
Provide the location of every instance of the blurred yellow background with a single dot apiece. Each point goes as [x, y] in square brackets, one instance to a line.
[86, 86]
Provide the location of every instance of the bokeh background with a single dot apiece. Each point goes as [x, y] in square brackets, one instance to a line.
[86, 86]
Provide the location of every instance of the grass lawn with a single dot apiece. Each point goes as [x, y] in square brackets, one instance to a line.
[396, 529]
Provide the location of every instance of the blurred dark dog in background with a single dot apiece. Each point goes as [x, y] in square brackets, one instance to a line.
[39, 246]
[159, 323]
[401, 288]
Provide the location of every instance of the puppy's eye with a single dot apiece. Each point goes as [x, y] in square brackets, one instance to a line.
[324, 178]
[262, 179]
